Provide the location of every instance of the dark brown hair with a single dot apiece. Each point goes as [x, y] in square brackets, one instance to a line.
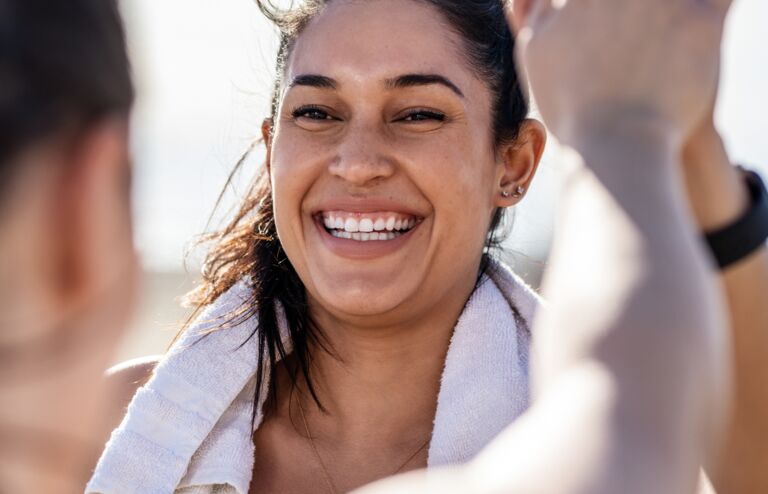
[63, 65]
[248, 248]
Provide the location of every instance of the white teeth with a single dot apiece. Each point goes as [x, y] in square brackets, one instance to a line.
[366, 225]
[380, 225]
[351, 225]
[367, 229]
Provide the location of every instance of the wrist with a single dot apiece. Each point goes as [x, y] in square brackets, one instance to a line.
[716, 190]
[742, 237]
[699, 147]
[626, 131]
[627, 150]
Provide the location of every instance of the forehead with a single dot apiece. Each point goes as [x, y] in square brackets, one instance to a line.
[363, 40]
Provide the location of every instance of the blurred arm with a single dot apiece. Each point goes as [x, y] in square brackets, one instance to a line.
[634, 323]
[717, 196]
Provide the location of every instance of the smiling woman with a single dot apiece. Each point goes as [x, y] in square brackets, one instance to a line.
[397, 138]
[389, 164]
[390, 160]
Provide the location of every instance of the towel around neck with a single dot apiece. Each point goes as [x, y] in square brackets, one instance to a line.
[188, 430]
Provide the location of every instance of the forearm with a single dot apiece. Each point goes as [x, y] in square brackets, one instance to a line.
[742, 465]
[632, 295]
[715, 190]
[718, 197]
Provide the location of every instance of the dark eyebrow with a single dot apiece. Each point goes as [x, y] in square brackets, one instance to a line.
[313, 80]
[403, 81]
[411, 80]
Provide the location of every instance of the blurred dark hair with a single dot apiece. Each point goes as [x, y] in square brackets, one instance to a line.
[248, 248]
[63, 65]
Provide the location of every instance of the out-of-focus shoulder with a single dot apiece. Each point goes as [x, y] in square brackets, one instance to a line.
[123, 380]
[127, 377]
[133, 373]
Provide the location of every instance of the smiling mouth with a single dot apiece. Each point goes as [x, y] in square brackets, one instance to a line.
[367, 227]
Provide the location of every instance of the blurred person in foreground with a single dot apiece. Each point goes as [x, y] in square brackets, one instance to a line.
[67, 264]
[354, 325]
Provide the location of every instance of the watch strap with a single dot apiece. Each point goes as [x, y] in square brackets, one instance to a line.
[738, 240]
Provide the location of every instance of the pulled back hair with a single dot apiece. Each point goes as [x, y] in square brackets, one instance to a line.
[248, 248]
[63, 65]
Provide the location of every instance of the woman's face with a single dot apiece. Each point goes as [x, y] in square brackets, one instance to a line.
[382, 162]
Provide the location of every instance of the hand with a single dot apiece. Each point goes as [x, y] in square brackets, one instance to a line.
[595, 64]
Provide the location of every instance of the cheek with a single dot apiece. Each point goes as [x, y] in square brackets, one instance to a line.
[457, 177]
[293, 171]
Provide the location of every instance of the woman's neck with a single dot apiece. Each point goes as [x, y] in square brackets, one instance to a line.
[380, 384]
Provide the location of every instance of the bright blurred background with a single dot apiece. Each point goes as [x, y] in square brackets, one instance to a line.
[204, 70]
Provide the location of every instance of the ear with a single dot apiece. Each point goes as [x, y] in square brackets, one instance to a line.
[518, 163]
[92, 215]
[266, 135]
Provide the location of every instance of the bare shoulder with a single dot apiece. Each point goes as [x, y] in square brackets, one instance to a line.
[123, 380]
[127, 377]
[132, 374]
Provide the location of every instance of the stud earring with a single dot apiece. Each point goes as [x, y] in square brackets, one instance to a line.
[519, 191]
[505, 194]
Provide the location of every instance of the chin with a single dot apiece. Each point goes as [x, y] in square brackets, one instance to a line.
[362, 297]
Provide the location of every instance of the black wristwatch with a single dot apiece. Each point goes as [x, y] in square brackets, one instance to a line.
[738, 240]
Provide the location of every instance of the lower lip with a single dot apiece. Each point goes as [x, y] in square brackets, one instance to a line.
[355, 249]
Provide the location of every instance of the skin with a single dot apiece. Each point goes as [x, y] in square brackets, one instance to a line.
[68, 270]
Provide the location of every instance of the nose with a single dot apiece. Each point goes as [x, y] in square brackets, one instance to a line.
[363, 156]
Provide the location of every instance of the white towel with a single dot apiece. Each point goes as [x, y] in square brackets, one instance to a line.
[188, 430]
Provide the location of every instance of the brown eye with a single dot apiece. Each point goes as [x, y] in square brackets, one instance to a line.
[311, 113]
[423, 115]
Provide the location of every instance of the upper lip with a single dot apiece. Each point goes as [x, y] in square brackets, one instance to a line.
[365, 205]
